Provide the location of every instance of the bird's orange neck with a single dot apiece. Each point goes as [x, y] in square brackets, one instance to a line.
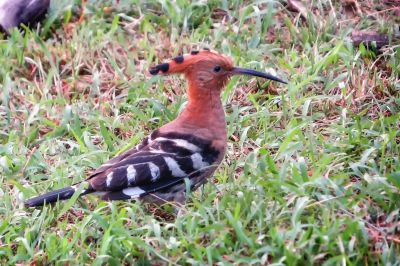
[204, 112]
[204, 107]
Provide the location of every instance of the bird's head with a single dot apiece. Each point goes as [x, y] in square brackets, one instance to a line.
[206, 69]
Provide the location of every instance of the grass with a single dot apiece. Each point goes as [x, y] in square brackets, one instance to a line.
[312, 172]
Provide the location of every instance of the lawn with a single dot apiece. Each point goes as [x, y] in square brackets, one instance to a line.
[312, 171]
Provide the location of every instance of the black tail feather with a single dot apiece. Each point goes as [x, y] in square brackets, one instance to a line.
[53, 196]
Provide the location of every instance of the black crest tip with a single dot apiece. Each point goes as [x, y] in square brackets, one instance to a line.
[164, 67]
[194, 52]
[154, 70]
[179, 59]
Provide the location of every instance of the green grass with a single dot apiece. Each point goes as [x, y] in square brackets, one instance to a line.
[312, 172]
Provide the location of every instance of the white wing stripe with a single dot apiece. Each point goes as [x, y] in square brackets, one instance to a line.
[133, 192]
[154, 170]
[131, 174]
[174, 167]
[109, 179]
[198, 162]
[181, 143]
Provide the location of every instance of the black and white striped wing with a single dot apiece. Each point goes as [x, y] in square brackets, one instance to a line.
[164, 161]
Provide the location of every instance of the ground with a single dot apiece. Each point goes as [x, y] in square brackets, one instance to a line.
[312, 171]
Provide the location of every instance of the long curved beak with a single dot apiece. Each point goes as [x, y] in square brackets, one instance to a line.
[251, 72]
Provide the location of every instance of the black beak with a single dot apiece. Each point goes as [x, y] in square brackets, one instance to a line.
[250, 72]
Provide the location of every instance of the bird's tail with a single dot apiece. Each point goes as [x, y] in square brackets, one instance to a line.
[59, 194]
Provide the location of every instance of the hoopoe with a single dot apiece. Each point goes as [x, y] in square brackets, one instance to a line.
[191, 146]
[13, 13]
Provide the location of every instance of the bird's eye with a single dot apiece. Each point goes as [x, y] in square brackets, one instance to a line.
[217, 68]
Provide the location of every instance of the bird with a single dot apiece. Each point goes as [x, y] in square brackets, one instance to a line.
[179, 155]
[14, 13]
